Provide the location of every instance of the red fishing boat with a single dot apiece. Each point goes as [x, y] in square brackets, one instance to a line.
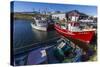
[72, 29]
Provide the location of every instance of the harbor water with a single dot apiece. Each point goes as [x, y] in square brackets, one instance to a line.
[24, 35]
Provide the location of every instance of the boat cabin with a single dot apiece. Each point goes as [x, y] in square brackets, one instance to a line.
[40, 21]
[73, 24]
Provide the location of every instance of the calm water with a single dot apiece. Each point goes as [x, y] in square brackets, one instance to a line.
[24, 34]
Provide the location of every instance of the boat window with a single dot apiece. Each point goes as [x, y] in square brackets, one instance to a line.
[43, 52]
[61, 45]
[76, 24]
[67, 42]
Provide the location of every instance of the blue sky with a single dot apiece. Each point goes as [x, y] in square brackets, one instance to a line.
[20, 6]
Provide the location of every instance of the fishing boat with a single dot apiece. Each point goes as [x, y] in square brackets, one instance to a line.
[63, 51]
[72, 29]
[42, 23]
[39, 23]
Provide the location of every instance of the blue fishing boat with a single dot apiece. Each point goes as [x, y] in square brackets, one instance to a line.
[63, 51]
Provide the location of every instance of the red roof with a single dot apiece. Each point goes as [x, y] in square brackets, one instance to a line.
[73, 14]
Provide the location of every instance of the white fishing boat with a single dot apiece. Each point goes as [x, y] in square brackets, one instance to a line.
[39, 23]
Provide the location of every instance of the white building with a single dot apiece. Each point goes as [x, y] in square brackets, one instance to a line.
[61, 16]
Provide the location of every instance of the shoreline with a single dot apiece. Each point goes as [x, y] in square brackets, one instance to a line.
[27, 16]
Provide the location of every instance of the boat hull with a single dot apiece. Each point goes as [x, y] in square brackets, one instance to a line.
[39, 27]
[85, 36]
